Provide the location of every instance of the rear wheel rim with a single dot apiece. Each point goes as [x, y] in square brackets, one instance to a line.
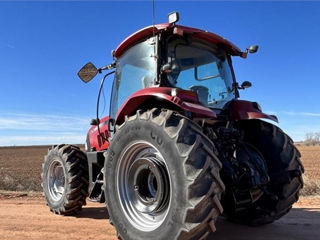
[56, 180]
[143, 185]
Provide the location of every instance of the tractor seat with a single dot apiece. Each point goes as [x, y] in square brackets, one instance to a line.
[146, 81]
[202, 92]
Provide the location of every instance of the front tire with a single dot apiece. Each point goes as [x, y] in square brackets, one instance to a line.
[285, 171]
[65, 179]
[162, 178]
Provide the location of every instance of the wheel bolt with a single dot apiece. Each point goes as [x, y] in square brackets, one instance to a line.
[136, 187]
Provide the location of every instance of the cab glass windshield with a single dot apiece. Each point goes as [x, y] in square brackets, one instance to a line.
[202, 69]
[135, 70]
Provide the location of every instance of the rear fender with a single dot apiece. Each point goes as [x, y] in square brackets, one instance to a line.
[244, 110]
[164, 97]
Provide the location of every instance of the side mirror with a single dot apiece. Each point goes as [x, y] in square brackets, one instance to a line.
[87, 72]
[245, 84]
[252, 49]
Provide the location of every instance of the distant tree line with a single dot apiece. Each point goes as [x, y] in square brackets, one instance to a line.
[312, 138]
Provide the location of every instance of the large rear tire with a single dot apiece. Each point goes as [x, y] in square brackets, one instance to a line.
[284, 168]
[162, 178]
[65, 179]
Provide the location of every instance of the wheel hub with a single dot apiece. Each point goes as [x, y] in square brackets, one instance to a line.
[56, 180]
[147, 177]
[143, 185]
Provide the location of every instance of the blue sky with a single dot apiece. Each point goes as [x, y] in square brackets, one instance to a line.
[43, 45]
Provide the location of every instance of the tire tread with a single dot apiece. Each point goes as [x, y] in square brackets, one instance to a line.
[76, 193]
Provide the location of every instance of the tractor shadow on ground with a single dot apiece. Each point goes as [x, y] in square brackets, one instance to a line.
[298, 224]
[94, 213]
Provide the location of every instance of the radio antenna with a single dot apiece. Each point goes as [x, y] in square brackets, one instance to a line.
[153, 27]
[153, 15]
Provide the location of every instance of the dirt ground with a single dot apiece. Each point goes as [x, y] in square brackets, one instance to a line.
[24, 217]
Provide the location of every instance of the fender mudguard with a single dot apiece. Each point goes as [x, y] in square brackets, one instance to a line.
[244, 110]
[172, 98]
[164, 97]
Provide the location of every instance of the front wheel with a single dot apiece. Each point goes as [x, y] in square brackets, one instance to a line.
[162, 178]
[65, 179]
[284, 169]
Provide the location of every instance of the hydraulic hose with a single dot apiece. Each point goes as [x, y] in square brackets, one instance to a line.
[98, 102]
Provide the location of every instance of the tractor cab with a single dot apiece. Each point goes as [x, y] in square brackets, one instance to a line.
[170, 55]
[174, 67]
[175, 61]
[176, 57]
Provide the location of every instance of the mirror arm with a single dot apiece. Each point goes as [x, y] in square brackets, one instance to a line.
[107, 67]
[235, 88]
[235, 85]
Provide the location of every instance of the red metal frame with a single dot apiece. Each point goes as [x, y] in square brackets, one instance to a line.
[181, 99]
[209, 37]
[244, 110]
[97, 141]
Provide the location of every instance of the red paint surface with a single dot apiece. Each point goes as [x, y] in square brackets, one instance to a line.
[243, 110]
[197, 33]
[182, 99]
[185, 100]
[97, 141]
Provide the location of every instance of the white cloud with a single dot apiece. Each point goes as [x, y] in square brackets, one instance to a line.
[298, 123]
[7, 45]
[298, 132]
[41, 129]
[42, 122]
[308, 114]
[311, 114]
[41, 140]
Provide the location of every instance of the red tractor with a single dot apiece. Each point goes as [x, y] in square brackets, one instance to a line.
[178, 148]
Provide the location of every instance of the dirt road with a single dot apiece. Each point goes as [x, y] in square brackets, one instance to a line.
[26, 217]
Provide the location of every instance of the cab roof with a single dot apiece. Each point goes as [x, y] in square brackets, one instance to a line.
[209, 37]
